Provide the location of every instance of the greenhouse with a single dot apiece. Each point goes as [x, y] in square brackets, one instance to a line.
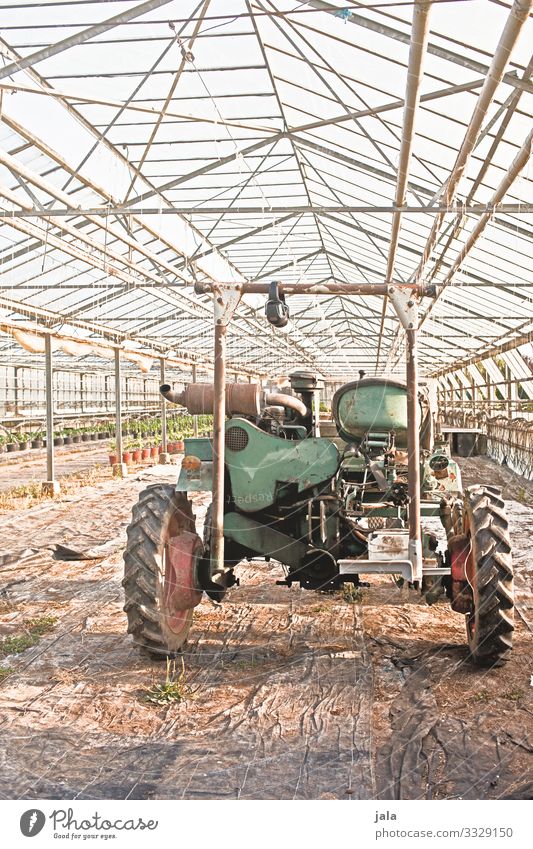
[266, 326]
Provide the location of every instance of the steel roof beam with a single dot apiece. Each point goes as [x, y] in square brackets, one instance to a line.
[397, 35]
[81, 37]
[417, 50]
[297, 209]
[513, 27]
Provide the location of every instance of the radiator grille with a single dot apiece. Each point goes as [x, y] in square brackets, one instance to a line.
[236, 438]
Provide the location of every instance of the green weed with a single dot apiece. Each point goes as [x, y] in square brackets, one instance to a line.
[173, 689]
[34, 629]
[514, 695]
[482, 696]
[351, 594]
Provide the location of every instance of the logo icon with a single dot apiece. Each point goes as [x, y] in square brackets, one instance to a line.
[32, 822]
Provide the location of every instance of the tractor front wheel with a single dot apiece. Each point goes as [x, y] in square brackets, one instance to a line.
[489, 572]
[160, 570]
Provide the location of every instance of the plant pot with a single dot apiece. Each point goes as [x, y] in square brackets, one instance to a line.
[126, 457]
[154, 451]
[135, 434]
[23, 446]
[113, 459]
[145, 453]
[94, 436]
[58, 440]
[103, 435]
[11, 446]
[37, 443]
[180, 446]
[68, 440]
[85, 437]
[136, 455]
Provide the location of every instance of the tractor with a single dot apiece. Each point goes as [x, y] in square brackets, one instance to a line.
[329, 505]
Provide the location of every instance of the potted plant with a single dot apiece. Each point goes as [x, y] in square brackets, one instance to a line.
[23, 442]
[113, 456]
[145, 452]
[70, 436]
[11, 443]
[154, 451]
[36, 439]
[85, 435]
[136, 452]
[58, 440]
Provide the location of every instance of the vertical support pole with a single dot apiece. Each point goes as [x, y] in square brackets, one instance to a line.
[490, 397]
[82, 391]
[225, 301]
[413, 450]
[119, 468]
[194, 418]
[164, 456]
[316, 412]
[51, 486]
[406, 308]
[219, 416]
[514, 407]
[16, 389]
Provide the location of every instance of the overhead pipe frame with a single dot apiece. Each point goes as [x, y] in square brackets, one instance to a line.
[226, 298]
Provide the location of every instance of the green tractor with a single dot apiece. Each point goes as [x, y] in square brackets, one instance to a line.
[329, 508]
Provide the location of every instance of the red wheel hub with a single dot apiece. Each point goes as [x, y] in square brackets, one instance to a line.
[180, 592]
[461, 567]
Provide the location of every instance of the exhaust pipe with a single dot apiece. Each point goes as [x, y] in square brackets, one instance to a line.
[168, 393]
[278, 399]
[243, 398]
[199, 398]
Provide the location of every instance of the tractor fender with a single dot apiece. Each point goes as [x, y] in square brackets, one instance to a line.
[196, 480]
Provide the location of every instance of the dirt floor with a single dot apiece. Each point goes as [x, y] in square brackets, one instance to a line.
[291, 694]
[25, 467]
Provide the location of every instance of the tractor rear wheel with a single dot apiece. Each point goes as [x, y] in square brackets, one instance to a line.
[160, 563]
[489, 572]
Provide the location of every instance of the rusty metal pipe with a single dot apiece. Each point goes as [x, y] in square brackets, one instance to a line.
[203, 287]
[278, 399]
[199, 398]
[168, 393]
[417, 51]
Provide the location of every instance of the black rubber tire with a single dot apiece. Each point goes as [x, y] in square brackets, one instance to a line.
[159, 507]
[490, 626]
